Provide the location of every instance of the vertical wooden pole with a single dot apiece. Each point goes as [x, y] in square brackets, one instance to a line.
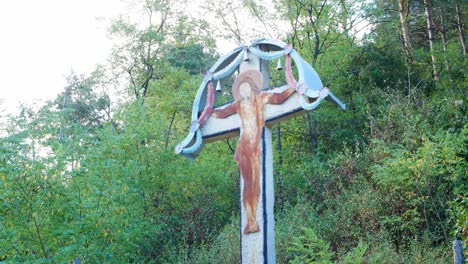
[457, 252]
[259, 247]
[269, 197]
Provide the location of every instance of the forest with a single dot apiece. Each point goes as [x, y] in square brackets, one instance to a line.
[92, 175]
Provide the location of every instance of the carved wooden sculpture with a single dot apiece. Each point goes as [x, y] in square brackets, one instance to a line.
[256, 107]
[250, 104]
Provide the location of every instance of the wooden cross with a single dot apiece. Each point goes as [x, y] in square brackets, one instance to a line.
[256, 108]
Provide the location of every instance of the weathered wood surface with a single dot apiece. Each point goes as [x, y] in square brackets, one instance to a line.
[250, 102]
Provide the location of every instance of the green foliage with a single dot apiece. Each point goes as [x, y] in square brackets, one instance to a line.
[423, 182]
[308, 248]
[356, 255]
[80, 103]
[223, 249]
[191, 57]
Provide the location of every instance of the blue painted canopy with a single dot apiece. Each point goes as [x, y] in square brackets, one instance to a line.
[309, 82]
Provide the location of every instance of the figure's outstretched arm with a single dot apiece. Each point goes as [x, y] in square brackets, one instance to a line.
[227, 111]
[278, 98]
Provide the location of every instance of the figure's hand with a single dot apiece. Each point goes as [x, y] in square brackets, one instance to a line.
[279, 98]
[215, 113]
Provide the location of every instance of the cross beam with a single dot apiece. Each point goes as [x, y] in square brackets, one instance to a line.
[229, 127]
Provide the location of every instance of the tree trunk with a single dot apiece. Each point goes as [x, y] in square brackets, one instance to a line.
[316, 46]
[278, 145]
[312, 133]
[430, 32]
[443, 36]
[460, 27]
[404, 11]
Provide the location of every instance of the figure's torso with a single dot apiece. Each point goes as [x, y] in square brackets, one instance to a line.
[252, 115]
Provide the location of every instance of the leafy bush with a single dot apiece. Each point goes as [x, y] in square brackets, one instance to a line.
[419, 185]
[308, 248]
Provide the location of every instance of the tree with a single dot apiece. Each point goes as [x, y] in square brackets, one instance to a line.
[430, 33]
[191, 57]
[318, 25]
[81, 103]
[461, 34]
[403, 10]
[139, 45]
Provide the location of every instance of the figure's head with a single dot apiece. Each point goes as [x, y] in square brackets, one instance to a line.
[246, 83]
[245, 91]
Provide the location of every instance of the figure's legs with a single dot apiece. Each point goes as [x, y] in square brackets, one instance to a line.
[248, 164]
[255, 164]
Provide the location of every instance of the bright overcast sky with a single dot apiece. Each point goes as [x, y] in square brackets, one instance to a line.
[42, 41]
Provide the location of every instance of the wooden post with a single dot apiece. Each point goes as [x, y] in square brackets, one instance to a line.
[251, 115]
[259, 247]
[457, 252]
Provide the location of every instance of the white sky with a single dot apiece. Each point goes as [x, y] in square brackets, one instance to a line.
[42, 41]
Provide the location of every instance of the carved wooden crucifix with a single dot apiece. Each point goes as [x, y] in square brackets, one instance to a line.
[256, 107]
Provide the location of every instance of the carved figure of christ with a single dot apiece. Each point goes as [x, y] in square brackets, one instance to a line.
[250, 103]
